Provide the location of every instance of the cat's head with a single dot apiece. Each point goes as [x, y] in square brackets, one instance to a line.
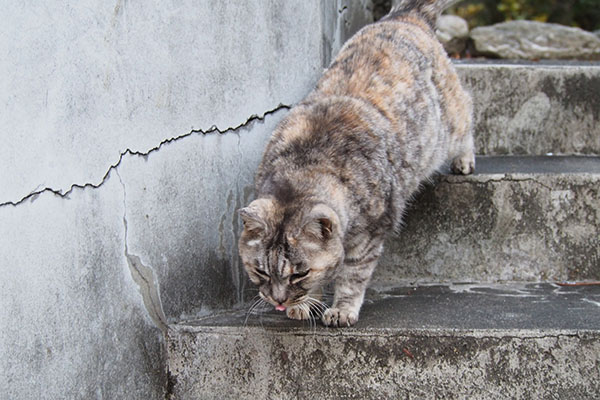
[289, 251]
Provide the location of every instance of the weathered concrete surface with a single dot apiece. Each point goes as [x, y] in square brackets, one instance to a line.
[72, 323]
[538, 341]
[181, 208]
[534, 108]
[516, 219]
[113, 76]
[122, 161]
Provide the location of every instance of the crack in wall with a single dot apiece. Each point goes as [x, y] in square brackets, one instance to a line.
[213, 129]
[144, 277]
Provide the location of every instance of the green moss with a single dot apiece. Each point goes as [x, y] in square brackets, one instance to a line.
[581, 13]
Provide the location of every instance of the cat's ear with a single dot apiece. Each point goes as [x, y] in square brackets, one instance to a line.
[255, 215]
[321, 223]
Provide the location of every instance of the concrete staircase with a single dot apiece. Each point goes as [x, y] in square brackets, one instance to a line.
[489, 292]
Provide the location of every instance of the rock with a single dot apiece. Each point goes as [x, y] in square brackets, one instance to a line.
[453, 32]
[535, 40]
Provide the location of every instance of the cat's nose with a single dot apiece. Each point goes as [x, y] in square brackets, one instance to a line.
[280, 299]
[279, 294]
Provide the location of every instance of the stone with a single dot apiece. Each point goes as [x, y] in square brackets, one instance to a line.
[503, 341]
[532, 40]
[453, 32]
[515, 219]
[534, 108]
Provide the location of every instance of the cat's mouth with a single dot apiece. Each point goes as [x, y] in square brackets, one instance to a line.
[278, 306]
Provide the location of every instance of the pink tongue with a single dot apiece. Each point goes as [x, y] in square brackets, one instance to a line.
[280, 308]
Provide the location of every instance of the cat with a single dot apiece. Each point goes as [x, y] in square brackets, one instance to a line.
[339, 169]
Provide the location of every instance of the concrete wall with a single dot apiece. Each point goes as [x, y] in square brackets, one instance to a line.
[130, 132]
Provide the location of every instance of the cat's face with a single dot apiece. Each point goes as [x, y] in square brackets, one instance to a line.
[289, 252]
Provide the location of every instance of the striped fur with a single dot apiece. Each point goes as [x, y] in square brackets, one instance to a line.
[339, 169]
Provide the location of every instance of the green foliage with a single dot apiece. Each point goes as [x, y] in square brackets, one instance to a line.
[582, 13]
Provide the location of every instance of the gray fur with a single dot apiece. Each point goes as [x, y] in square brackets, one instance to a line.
[340, 168]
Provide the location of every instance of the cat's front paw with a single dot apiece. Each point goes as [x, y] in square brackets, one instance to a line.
[300, 313]
[336, 317]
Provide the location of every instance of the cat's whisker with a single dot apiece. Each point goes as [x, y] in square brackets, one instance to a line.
[311, 315]
[311, 320]
[307, 305]
[319, 302]
[253, 300]
[317, 305]
[314, 322]
[314, 304]
[298, 301]
[257, 303]
[302, 306]
[252, 310]
[317, 310]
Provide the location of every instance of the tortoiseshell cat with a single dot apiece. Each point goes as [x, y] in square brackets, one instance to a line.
[339, 169]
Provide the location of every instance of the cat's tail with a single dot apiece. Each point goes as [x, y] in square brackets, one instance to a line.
[430, 10]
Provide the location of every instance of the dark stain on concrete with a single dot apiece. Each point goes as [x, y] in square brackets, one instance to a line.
[576, 90]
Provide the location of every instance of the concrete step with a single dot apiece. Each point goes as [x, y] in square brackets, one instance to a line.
[455, 341]
[518, 218]
[534, 107]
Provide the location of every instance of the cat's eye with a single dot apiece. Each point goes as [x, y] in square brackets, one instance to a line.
[297, 277]
[262, 275]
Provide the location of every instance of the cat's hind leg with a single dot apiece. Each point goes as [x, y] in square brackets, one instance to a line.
[462, 155]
